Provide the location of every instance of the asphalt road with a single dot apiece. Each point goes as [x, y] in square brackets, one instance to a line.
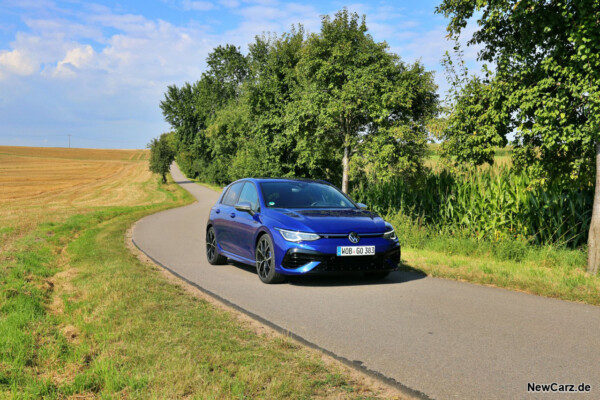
[440, 338]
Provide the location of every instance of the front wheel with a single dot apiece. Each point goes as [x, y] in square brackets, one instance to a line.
[212, 255]
[265, 261]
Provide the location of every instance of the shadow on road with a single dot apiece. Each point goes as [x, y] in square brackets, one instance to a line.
[405, 274]
[183, 182]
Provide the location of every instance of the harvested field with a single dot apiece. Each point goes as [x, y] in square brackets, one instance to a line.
[76, 154]
[52, 184]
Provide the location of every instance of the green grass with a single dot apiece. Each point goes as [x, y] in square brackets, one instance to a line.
[81, 315]
[543, 270]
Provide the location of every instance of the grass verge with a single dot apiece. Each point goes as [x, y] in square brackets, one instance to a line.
[82, 317]
[546, 271]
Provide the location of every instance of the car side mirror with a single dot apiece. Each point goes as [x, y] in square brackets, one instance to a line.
[244, 206]
[362, 206]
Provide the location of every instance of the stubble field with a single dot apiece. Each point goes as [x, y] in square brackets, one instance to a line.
[51, 184]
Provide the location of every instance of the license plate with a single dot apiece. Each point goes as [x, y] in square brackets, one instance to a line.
[355, 250]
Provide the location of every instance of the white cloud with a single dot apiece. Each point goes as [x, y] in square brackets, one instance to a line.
[265, 16]
[31, 4]
[431, 45]
[76, 59]
[65, 28]
[16, 62]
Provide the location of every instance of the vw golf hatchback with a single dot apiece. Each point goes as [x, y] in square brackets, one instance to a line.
[298, 227]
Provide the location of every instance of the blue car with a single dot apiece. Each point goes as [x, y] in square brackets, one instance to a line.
[298, 227]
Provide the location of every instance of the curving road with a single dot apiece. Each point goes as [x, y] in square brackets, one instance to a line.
[435, 338]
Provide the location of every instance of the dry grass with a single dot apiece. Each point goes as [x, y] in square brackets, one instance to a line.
[51, 184]
[77, 154]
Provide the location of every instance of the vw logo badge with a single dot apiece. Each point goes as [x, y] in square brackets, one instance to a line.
[353, 237]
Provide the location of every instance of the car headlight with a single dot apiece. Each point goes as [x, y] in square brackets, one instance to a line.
[390, 235]
[293, 236]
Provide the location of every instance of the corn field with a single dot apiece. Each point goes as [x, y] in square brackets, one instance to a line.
[493, 204]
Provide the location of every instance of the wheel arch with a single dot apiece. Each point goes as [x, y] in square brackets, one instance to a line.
[263, 231]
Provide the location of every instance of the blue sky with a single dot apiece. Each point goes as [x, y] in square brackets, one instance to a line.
[97, 71]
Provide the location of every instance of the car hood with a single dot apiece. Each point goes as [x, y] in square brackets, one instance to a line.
[329, 220]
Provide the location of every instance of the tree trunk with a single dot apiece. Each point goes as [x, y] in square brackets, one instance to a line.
[164, 177]
[346, 168]
[594, 234]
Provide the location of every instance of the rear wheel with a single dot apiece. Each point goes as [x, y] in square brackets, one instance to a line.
[212, 255]
[265, 261]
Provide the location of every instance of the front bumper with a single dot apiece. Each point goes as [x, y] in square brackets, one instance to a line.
[298, 261]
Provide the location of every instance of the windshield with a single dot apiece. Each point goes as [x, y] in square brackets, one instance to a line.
[288, 194]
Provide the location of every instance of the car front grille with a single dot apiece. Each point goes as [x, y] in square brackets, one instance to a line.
[331, 263]
[293, 260]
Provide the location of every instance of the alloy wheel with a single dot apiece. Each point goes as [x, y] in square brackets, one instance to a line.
[264, 259]
[211, 244]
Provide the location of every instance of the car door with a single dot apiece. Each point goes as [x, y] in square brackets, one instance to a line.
[245, 224]
[224, 217]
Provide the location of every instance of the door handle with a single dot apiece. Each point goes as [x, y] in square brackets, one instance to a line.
[232, 215]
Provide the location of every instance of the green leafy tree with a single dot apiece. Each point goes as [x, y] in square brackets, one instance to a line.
[547, 59]
[267, 95]
[475, 120]
[354, 89]
[162, 155]
[189, 109]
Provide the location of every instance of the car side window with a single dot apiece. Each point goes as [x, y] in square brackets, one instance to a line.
[232, 194]
[250, 195]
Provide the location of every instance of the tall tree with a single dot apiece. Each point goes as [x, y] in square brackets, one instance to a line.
[190, 108]
[354, 88]
[547, 58]
[162, 155]
[474, 121]
[268, 94]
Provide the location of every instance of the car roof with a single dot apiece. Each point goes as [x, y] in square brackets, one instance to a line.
[260, 180]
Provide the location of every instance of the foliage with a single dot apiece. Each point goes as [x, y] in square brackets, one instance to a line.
[162, 155]
[362, 99]
[547, 58]
[474, 125]
[493, 205]
[190, 108]
[271, 147]
[295, 102]
[547, 270]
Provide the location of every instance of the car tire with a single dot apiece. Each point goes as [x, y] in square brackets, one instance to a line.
[212, 254]
[265, 261]
[377, 276]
